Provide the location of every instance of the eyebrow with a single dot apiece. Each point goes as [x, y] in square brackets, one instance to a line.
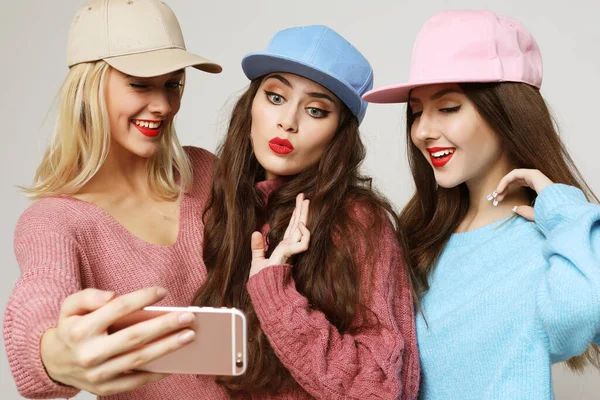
[287, 83]
[437, 95]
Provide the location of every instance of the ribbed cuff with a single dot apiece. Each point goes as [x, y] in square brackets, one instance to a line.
[272, 289]
[556, 205]
[30, 375]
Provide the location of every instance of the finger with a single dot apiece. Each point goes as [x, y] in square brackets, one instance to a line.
[99, 320]
[137, 358]
[85, 301]
[126, 382]
[515, 183]
[141, 333]
[296, 234]
[513, 175]
[304, 212]
[290, 224]
[257, 244]
[302, 245]
[299, 200]
[525, 212]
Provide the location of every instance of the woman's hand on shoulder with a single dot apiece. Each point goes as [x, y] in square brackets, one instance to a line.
[296, 240]
[81, 352]
[531, 178]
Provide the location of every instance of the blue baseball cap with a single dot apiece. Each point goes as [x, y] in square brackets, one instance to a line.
[320, 54]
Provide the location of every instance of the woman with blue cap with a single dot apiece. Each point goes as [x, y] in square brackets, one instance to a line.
[328, 300]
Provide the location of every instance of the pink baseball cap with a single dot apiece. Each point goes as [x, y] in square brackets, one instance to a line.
[458, 46]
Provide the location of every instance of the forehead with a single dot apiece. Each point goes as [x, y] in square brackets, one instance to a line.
[425, 93]
[297, 82]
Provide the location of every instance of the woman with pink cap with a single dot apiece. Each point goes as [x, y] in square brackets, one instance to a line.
[504, 242]
[115, 224]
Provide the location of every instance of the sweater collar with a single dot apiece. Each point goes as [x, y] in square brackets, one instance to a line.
[265, 188]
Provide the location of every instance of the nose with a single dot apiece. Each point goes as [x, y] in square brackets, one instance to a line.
[424, 128]
[160, 104]
[288, 118]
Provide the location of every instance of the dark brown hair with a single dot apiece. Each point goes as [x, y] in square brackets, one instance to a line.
[519, 115]
[327, 274]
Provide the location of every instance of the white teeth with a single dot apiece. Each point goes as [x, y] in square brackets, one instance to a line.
[147, 124]
[442, 153]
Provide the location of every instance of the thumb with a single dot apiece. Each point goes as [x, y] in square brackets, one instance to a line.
[257, 244]
[524, 211]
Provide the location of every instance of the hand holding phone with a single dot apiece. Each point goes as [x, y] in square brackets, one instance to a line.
[219, 346]
[79, 352]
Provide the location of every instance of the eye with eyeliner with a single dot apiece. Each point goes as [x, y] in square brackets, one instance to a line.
[415, 114]
[174, 85]
[136, 85]
[319, 113]
[450, 110]
[272, 96]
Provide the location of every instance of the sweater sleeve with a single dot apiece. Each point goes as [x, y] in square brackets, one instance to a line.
[49, 264]
[568, 298]
[370, 364]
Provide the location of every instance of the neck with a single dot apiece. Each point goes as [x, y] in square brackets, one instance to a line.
[122, 172]
[270, 175]
[481, 210]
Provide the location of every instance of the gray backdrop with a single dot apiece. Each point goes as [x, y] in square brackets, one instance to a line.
[33, 36]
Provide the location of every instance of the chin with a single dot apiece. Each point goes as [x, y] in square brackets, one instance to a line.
[448, 182]
[145, 151]
[282, 171]
[277, 166]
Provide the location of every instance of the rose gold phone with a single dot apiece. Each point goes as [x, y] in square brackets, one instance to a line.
[219, 347]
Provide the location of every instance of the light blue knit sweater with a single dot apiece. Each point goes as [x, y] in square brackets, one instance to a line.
[509, 299]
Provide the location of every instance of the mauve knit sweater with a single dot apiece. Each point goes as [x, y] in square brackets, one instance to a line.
[64, 245]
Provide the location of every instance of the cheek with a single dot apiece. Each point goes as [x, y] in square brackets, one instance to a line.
[413, 136]
[316, 143]
[175, 104]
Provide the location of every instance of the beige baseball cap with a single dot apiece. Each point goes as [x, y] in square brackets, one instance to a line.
[137, 37]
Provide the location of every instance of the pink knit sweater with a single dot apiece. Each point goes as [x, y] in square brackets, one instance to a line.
[64, 245]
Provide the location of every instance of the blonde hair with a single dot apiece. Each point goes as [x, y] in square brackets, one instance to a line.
[81, 142]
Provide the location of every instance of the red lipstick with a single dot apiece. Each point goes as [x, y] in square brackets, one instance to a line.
[440, 161]
[281, 146]
[150, 132]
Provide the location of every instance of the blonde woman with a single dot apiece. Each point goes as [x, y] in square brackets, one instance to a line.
[115, 224]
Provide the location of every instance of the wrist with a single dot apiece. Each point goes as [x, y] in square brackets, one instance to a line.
[50, 349]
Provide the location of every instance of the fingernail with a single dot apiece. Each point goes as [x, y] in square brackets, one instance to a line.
[514, 209]
[494, 194]
[186, 318]
[161, 292]
[186, 337]
[490, 196]
[495, 203]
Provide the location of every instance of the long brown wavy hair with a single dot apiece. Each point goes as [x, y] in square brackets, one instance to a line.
[327, 274]
[519, 115]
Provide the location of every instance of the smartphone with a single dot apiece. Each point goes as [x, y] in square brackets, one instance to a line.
[219, 347]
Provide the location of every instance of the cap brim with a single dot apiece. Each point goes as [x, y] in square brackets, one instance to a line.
[400, 93]
[160, 62]
[258, 64]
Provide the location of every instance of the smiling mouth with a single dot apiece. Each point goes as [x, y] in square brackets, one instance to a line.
[147, 128]
[440, 156]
